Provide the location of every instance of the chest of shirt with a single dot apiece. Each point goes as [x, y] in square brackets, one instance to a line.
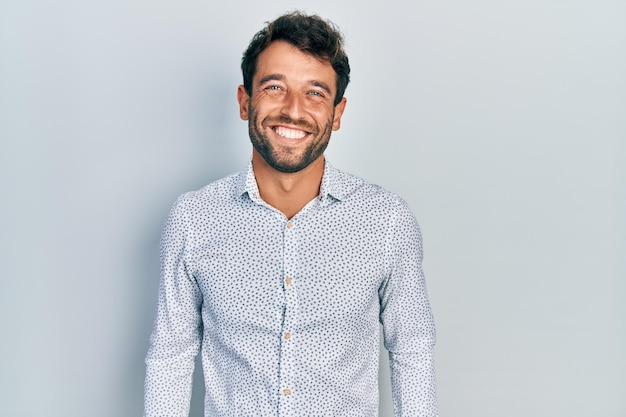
[330, 262]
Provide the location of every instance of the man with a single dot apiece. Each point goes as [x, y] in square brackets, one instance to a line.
[280, 274]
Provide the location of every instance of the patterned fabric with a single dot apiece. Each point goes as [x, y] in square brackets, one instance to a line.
[286, 312]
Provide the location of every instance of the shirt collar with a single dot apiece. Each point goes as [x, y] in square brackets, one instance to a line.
[331, 188]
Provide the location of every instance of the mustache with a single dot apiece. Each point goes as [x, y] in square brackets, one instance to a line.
[284, 119]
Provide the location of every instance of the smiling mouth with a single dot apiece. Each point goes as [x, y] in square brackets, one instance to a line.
[289, 133]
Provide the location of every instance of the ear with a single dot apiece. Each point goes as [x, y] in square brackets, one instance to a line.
[244, 100]
[339, 108]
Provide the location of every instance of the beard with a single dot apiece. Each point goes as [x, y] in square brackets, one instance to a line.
[283, 158]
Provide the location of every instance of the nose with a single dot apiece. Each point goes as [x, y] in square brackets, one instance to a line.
[293, 105]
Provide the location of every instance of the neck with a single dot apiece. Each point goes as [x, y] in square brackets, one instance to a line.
[287, 192]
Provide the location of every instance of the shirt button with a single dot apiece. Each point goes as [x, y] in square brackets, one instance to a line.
[287, 336]
[286, 391]
[288, 280]
[289, 225]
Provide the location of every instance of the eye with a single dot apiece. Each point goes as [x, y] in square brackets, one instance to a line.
[316, 96]
[274, 90]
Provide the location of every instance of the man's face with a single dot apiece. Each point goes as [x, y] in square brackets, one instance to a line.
[290, 111]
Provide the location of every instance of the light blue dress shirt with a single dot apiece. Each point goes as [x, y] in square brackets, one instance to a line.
[285, 312]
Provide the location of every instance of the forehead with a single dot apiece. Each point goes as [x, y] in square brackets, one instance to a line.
[282, 58]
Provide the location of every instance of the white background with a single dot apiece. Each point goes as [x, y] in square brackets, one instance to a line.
[503, 124]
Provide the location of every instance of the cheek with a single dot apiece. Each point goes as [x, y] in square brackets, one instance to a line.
[263, 101]
[322, 113]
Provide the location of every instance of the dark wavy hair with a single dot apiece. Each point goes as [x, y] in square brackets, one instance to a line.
[310, 34]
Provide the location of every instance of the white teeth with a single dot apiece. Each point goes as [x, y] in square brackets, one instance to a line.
[290, 133]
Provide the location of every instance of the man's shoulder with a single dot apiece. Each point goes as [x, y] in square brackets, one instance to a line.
[218, 191]
[378, 203]
[353, 187]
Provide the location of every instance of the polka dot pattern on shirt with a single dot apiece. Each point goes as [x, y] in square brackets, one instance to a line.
[285, 312]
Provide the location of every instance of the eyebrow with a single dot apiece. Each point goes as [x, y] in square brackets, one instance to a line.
[280, 77]
[321, 85]
[271, 77]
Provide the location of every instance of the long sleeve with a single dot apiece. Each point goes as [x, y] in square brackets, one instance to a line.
[408, 324]
[175, 339]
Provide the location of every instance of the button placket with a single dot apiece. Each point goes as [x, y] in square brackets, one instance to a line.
[287, 349]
